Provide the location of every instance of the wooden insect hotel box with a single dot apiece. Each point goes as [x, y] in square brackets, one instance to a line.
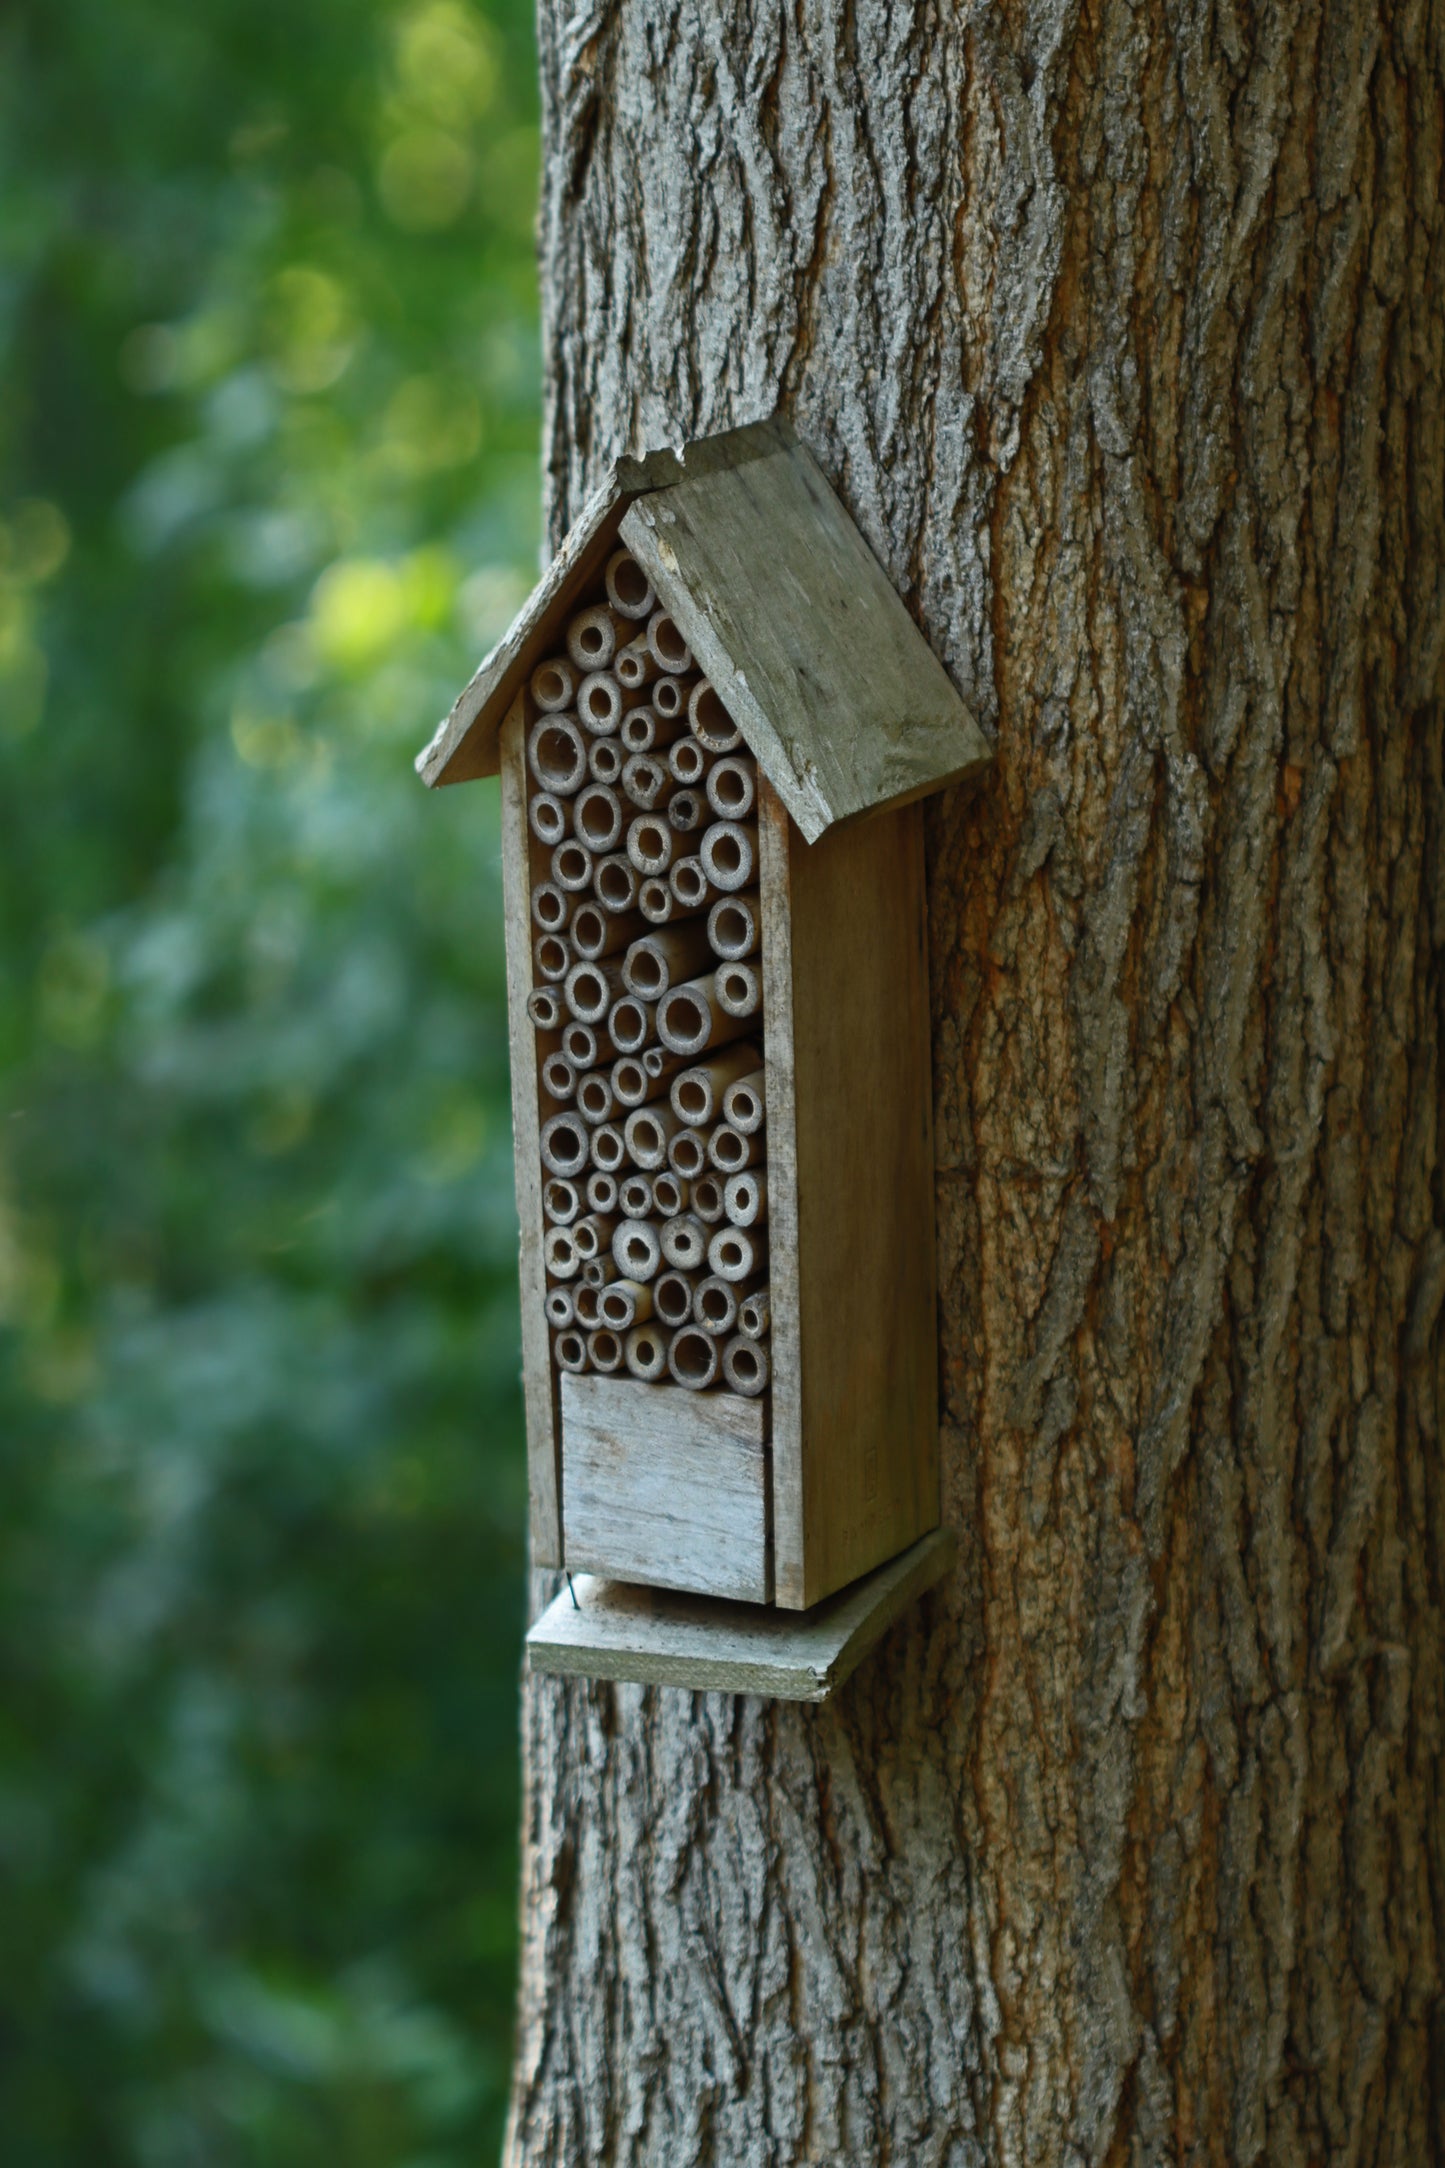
[714, 723]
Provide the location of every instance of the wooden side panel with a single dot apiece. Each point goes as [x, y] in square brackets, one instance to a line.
[666, 1486]
[850, 1186]
[544, 1472]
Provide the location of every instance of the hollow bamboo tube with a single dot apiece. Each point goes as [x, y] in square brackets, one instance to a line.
[689, 884]
[707, 1199]
[592, 1235]
[686, 762]
[734, 1253]
[746, 1366]
[601, 704]
[665, 958]
[745, 1104]
[560, 1306]
[691, 1019]
[604, 1350]
[755, 1314]
[596, 1273]
[626, 1303]
[635, 665]
[553, 684]
[548, 818]
[656, 902]
[571, 867]
[670, 651]
[745, 1199]
[552, 957]
[631, 1024]
[615, 883]
[634, 1196]
[604, 760]
[551, 907]
[647, 783]
[592, 637]
[645, 731]
[598, 819]
[585, 1046]
[595, 932]
[716, 1302]
[637, 1250]
[608, 1148]
[570, 1349]
[739, 988]
[685, 811]
[560, 1201]
[670, 696]
[591, 987]
[585, 1305]
[735, 925]
[631, 1084]
[645, 1353]
[687, 1154]
[559, 1253]
[651, 843]
[692, 1358]
[710, 721]
[672, 1298]
[729, 854]
[544, 1008]
[602, 1192]
[596, 1101]
[697, 1091]
[557, 755]
[559, 1078]
[565, 1145]
[670, 1194]
[648, 1131]
[732, 788]
[629, 590]
[684, 1242]
[730, 1151]
[655, 1061]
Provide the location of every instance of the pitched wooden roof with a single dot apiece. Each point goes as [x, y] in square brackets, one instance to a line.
[786, 608]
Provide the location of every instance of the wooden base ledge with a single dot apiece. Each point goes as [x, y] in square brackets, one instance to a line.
[656, 1637]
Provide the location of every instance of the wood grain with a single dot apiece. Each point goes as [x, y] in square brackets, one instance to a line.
[666, 1486]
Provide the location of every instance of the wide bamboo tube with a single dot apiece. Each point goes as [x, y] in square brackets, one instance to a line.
[571, 867]
[570, 1350]
[732, 789]
[657, 961]
[605, 759]
[592, 637]
[729, 854]
[626, 1303]
[707, 1199]
[551, 907]
[635, 665]
[608, 1148]
[565, 1145]
[561, 1201]
[596, 1101]
[687, 1154]
[631, 1024]
[691, 1019]
[615, 882]
[595, 932]
[601, 704]
[686, 762]
[598, 818]
[553, 685]
[735, 1253]
[689, 884]
[557, 755]
[745, 1104]
[710, 721]
[634, 1196]
[755, 1315]
[648, 1131]
[604, 1350]
[735, 925]
[672, 1298]
[560, 1306]
[631, 1084]
[684, 1242]
[559, 1253]
[637, 1250]
[729, 1150]
[692, 1357]
[745, 1199]
[629, 590]
[716, 1303]
[645, 1353]
[585, 1046]
[602, 1193]
[544, 1008]
[559, 1078]
[746, 1366]
[651, 843]
[739, 988]
[670, 1194]
[591, 987]
[697, 1091]
[548, 818]
[670, 651]
[670, 696]
[657, 903]
[647, 783]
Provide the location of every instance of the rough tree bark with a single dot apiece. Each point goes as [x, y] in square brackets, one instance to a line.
[1120, 330]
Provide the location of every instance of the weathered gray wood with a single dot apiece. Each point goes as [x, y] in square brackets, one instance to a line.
[544, 1474]
[818, 661]
[666, 1486]
[653, 1637]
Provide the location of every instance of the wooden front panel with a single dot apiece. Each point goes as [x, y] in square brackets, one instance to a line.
[850, 1185]
[666, 1486]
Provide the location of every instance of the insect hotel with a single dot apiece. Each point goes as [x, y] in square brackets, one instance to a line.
[714, 723]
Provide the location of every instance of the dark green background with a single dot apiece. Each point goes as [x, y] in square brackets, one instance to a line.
[268, 488]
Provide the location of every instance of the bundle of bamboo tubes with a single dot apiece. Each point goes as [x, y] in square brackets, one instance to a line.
[647, 1001]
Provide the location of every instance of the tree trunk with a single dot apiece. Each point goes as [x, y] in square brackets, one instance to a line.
[1120, 331]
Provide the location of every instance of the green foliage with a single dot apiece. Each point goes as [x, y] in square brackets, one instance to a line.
[267, 489]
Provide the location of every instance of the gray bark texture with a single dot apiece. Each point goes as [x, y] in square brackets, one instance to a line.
[1120, 331]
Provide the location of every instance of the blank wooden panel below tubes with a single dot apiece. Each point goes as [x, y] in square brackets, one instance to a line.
[543, 1459]
[850, 1193]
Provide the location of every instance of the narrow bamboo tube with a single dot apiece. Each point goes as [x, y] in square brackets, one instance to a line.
[559, 1078]
[711, 723]
[553, 685]
[745, 1199]
[631, 1084]
[656, 902]
[552, 957]
[592, 1235]
[571, 867]
[689, 884]
[631, 1024]
[591, 987]
[608, 1148]
[592, 637]
[635, 665]
[634, 1196]
[745, 1104]
[729, 854]
[557, 755]
[655, 1061]
[604, 1350]
[615, 883]
[629, 590]
[560, 1306]
[684, 1242]
[755, 1315]
[687, 1154]
[637, 1250]
[548, 818]
[697, 1091]
[729, 1150]
[658, 961]
[739, 988]
[585, 1046]
[596, 1274]
[692, 1358]
[691, 1019]
[645, 1353]
[672, 1298]
[716, 1302]
[647, 783]
[560, 1201]
[551, 907]
[670, 650]
[645, 731]
[565, 1145]
[602, 1192]
[544, 1007]
[746, 1366]
[735, 925]
[570, 1349]
[596, 1101]
[595, 932]
[604, 760]
[598, 819]
[684, 812]
[670, 1194]
[686, 761]
[559, 1252]
[585, 1305]
[648, 1131]
[626, 1303]
[732, 789]
[735, 1254]
[651, 842]
[601, 704]
[670, 696]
